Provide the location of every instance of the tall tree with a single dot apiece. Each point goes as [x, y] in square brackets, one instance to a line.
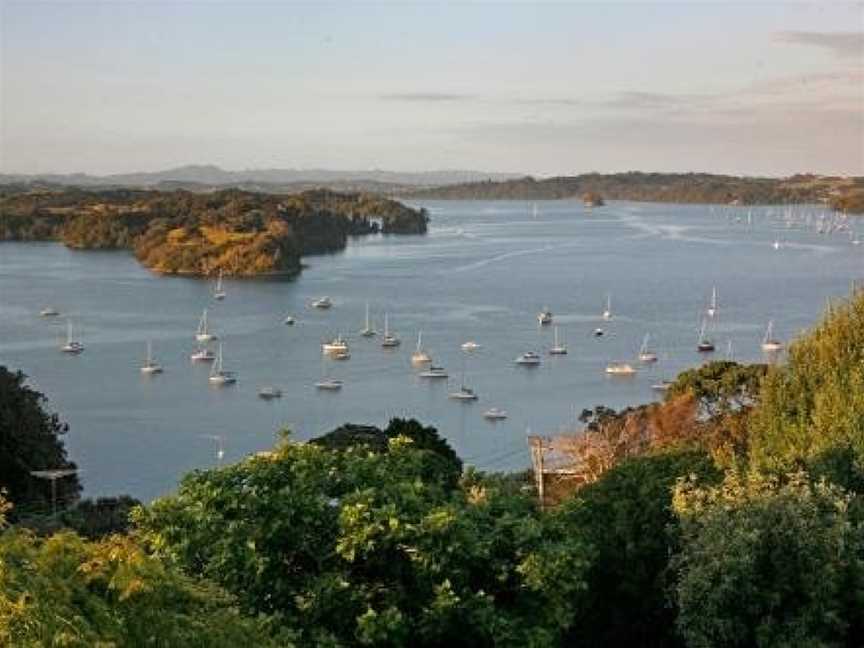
[31, 440]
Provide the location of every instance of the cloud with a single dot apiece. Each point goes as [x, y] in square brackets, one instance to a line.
[425, 97]
[839, 43]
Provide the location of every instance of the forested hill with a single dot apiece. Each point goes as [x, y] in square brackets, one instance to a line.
[179, 232]
[843, 193]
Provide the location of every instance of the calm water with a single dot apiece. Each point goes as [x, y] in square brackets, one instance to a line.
[482, 272]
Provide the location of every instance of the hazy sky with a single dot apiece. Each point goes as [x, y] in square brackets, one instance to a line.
[769, 88]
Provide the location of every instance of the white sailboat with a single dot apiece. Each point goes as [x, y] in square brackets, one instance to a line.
[646, 355]
[464, 393]
[72, 346]
[203, 334]
[558, 348]
[607, 312]
[420, 357]
[327, 383]
[389, 340]
[219, 292]
[368, 331]
[150, 366]
[712, 305]
[218, 375]
[769, 343]
[704, 345]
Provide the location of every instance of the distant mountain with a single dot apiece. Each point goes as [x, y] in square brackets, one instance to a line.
[213, 176]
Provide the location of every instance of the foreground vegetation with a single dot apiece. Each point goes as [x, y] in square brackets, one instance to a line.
[235, 232]
[842, 193]
[728, 515]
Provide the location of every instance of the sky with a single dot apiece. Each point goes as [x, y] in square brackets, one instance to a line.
[541, 88]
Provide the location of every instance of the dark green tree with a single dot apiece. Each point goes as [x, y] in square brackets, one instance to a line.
[31, 440]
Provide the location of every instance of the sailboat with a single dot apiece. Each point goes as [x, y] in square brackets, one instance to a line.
[72, 345]
[389, 340]
[712, 305]
[607, 313]
[219, 293]
[464, 393]
[704, 345]
[326, 383]
[558, 348]
[433, 372]
[368, 331]
[150, 366]
[420, 357]
[769, 343]
[218, 375]
[646, 355]
[470, 345]
[203, 334]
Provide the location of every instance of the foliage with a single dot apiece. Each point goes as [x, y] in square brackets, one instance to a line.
[768, 563]
[849, 201]
[66, 591]
[30, 439]
[236, 232]
[815, 404]
[659, 187]
[375, 548]
[626, 516]
[350, 436]
[720, 387]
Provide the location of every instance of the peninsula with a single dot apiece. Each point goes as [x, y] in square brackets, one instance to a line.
[235, 232]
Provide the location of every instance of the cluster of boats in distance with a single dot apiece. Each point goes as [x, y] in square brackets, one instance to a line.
[338, 348]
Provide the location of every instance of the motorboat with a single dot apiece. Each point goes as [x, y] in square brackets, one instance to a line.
[544, 316]
[323, 303]
[494, 414]
[49, 312]
[329, 384]
[620, 369]
[269, 393]
[528, 359]
[470, 345]
[289, 321]
[336, 345]
[463, 394]
[433, 372]
[202, 354]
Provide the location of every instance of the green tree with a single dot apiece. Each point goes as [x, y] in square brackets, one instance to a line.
[768, 563]
[814, 405]
[375, 548]
[627, 517]
[30, 439]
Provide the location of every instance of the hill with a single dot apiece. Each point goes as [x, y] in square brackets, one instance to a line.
[663, 187]
[236, 232]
